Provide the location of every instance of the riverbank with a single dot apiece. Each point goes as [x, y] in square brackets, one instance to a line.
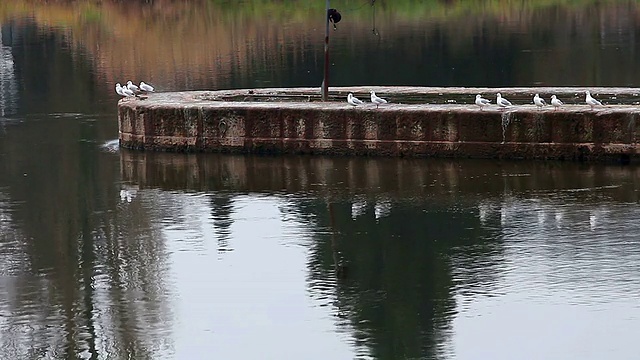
[419, 122]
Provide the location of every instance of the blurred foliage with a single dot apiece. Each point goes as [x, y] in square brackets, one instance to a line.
[297, 10]
[220, 44]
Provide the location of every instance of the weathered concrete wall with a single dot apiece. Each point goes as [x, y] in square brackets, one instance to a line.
[260, 123]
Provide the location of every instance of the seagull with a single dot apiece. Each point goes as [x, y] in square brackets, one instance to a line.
[119, 90]
[131, 86]
[377, 100]
[556, 102]
[539, 101]
[502, 101]
[146, 87]
[354, 101]
[482, 102]
[591, 101]
[127, 92]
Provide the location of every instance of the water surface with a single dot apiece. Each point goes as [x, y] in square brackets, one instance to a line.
[114, 254]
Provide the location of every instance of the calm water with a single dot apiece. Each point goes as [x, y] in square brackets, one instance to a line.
[113, 254]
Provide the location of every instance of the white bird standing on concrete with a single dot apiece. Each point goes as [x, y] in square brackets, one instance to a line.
[131, 86]
[377, 100]
[353, 101]
[119, 90]
[502, 101]
[591, 101]
[539, 101]
[482, 102]
[146, 87]
[127, 92]
[556, 102]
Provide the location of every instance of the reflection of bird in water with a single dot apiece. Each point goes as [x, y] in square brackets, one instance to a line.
[358, 207]
[559, 218]
[483, 213]
[503, 215]
[542, 217]
[596, 218]
[382, 209]
[128, 193]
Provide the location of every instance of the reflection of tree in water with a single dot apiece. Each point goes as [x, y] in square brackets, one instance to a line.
[416, 241]
[398, 286]
[102, 291]
[90, 285]
[8, 84]
[271, 43]
[53, 77]
[89, 278]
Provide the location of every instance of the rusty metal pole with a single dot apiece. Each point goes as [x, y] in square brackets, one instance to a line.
[325, 79]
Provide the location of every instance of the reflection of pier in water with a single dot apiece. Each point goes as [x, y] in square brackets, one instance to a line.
[8, 85]
[487, 187]
[502, 196]
[465, 181]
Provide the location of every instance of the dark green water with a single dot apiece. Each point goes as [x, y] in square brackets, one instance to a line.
[114, 254]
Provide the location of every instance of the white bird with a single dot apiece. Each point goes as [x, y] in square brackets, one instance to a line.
[146, 87]
[502, 101]
[539, 101]
[119, 90]
[377, 100]
[131, 86]
[591, 101]
[482, 102]
[556, 102]
[354, 101]
[127, 92]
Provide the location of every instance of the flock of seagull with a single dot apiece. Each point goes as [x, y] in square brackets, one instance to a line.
[482, 102]
[354, 101]
[537, 100]
[131, 89]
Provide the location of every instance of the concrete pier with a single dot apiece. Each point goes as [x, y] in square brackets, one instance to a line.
[417, 122]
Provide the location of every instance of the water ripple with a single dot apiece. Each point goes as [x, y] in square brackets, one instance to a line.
[111, 146]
